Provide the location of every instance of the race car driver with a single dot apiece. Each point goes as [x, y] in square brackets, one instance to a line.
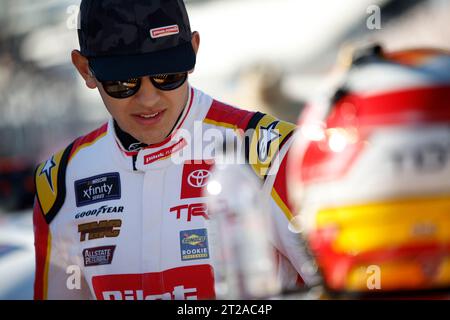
[114, 207]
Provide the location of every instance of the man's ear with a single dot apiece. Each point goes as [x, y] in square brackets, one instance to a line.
[81, 63]
[195, 41]
[195, 44]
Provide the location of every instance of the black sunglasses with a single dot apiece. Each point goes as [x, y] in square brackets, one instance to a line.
[121, 89]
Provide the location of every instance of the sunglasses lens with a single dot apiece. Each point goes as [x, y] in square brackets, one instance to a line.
[127, 88]
[122, 89]
[169, 82]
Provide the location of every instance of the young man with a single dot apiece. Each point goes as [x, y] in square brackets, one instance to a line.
[114, 207]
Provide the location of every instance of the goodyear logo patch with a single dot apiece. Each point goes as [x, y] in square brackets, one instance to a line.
[96, 189]
[194, 244]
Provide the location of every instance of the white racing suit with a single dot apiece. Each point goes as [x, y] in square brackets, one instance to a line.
[121, 221]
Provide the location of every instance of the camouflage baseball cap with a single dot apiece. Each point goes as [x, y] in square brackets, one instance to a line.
[126, 39]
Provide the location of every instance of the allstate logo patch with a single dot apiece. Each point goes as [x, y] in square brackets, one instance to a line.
[194, 244]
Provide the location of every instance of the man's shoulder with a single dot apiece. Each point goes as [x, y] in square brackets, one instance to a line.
[265, 135]
[67, 153]
[224, 115]
[88, 140]
[267, 141]
[50, 175]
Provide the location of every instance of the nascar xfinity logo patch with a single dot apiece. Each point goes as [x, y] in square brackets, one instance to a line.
[96, 189]
[194, 244]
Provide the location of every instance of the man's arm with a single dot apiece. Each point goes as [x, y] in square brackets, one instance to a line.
[270, 141]
[296, 265]
[56, 277]
[42, 241]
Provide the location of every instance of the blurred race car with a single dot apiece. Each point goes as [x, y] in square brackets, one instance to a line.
[370, 175]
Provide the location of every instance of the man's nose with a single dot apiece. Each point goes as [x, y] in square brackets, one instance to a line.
[147, 95]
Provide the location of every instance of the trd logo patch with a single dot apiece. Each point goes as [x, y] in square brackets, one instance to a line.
[100, 230]
[194, 244]
[98, 256]
[96, 189]
[192, 210]
[195, 178]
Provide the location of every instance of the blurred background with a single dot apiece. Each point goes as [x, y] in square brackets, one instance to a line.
[267, 55]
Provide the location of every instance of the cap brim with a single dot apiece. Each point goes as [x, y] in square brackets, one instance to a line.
[174, 60]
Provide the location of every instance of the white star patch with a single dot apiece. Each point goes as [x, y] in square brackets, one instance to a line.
[268, 135]
[47, 170]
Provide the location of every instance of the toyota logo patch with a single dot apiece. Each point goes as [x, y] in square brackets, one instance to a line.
[198, 178]
[195, 177]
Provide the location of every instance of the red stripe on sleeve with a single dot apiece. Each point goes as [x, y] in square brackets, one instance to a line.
[280, 184]
[224, 113]
[41, 231]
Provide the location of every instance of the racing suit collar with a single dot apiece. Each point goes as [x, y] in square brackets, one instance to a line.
[127, 141]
